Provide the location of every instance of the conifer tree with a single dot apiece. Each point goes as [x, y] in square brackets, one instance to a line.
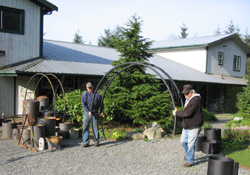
[136, 96]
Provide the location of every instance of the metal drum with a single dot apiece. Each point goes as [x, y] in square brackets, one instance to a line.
[15, 134]
[38, 131]
[47, 113]
[50, 124]
[211, 147]
[44, 102]
[31, 108]
[25, 133]
[213, 134]
[7, 127]
[198, 145]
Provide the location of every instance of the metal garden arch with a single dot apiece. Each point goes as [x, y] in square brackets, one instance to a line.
[168, 85]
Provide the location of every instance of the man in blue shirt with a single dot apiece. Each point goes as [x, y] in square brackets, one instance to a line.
[86, 104]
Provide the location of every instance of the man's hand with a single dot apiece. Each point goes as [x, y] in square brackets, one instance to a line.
[101, 114]
[90, 114]
[174, 111]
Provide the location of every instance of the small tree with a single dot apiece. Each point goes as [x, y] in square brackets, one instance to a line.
[78, 38]
[184, 33]
[243, 103]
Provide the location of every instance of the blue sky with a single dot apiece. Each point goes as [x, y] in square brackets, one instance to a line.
[161, 18]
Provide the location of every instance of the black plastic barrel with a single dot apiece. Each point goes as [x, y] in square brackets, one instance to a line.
[213, 134]
[65, 127]
[44, 102]
[220, 166]
[211, 147]
[38, 131]
[31, 108]
[50, 124]
[198, 145]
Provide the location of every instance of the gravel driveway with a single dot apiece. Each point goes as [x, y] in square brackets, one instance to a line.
[164, 156]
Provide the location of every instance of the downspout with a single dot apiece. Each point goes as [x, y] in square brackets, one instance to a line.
[41, 33]
[15, 95]
[206, 60]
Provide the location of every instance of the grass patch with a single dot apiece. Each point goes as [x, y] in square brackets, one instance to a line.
[242, 156]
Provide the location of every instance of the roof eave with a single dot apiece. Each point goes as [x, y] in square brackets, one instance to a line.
[47, 7]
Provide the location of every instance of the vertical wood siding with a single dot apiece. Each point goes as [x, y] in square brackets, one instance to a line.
[22, 47]
[7, 95]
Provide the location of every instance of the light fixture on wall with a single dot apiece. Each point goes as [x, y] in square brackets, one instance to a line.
[224, 46]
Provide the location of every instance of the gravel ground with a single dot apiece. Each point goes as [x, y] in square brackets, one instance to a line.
[164, 156]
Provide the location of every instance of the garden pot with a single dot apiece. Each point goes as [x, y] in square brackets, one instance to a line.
[198, 145]
[213, 134]
[220, 166]
[47, 113]
[211, 147]
[66, 126]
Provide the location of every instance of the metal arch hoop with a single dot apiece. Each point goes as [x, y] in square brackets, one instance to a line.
[150, 66]
[46, 75]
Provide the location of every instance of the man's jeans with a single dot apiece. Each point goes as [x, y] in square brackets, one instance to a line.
[188, 140]
[85, 129]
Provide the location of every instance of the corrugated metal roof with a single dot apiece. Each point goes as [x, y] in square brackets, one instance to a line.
[188, 42]
[70, 58]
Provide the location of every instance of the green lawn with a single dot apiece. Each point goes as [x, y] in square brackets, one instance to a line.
[242, 156]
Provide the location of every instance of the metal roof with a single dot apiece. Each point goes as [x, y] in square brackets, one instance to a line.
[71, 58]
[191, 42]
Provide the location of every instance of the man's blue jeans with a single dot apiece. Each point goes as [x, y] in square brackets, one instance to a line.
[86, 123]
[188, 140]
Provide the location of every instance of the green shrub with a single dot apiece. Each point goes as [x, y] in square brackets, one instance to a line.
[206, 126]
[208, 116]
[243, 103]
[74, 111]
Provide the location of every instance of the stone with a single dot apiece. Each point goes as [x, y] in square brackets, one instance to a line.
[154, 131]
[133, 135]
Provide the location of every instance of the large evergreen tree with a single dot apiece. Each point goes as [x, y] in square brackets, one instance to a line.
[135, 96]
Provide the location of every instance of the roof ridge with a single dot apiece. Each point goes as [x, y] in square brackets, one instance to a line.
[208, 36]
[68, 42]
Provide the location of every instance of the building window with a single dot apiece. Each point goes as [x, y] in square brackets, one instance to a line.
[11, 20]
[220, 58]
[236, 63]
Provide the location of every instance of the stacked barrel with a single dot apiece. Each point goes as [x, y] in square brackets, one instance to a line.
[37, 122]
[210, 142]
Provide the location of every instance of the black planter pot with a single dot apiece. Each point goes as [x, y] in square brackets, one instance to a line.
[211, 147]
[198, 145]
[220, 166]
[213, 134]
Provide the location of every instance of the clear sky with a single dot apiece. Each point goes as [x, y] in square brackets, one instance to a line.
[161, 18]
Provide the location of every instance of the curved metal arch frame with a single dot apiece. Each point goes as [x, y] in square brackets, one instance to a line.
[147, 65]
[53, 90]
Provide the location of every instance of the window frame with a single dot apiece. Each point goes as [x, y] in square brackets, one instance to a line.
[220, 59]
[236, 63]
[21, 20]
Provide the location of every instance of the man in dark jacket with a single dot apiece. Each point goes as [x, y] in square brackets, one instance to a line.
[86, 104]
[192, 122]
